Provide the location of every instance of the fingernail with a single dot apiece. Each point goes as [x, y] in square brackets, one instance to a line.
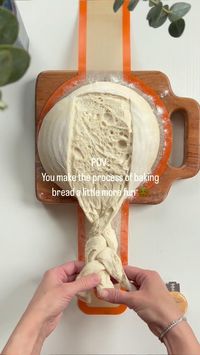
[103, 294]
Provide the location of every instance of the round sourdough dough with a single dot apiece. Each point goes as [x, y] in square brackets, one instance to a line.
[55, 130]
[108, 121]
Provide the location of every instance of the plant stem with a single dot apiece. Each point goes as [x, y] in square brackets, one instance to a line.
[156, 2]
[167, 11]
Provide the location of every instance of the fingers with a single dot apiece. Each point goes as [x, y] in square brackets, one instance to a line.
[136, 274]
[72, 278]
[83, 284]
[72, 267]
[117, 296]
[132, 271]
[64, 272]
[144, 278]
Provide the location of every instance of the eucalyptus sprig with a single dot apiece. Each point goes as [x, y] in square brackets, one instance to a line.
[14, 61]
[159, 13]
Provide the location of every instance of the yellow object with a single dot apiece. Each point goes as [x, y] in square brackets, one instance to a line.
[180, 300]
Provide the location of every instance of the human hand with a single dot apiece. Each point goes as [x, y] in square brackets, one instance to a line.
[57, 288]
[152, 301]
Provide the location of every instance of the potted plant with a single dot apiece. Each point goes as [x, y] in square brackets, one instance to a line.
[14, 59]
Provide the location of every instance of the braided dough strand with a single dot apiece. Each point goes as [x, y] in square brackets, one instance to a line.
[102, 127]
[101, 257]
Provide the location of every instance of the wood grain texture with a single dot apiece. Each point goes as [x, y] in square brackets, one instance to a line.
[48, 82]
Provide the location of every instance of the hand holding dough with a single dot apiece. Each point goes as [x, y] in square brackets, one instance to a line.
[108, 121]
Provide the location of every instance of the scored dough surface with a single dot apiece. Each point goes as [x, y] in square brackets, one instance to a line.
[108, 121]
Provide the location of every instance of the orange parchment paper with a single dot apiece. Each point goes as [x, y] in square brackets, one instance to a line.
[104, 45]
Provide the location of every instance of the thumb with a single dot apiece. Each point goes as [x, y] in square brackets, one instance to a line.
[83, 284]
[114, 295]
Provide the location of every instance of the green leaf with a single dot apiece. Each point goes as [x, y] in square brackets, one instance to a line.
[20, 62]
[5, 66]
[9, 27]
[179, 10]
[117, 5]
[2, 103]
[177, 28]
[157, 16]
[132, 4]
[154, 12]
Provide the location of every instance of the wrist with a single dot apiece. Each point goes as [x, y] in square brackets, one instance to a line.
[163, 321]
[27, 338]
[170, 327]
[176, 332]
[181, 340]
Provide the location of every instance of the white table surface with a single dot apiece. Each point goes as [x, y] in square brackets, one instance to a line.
[36, 237]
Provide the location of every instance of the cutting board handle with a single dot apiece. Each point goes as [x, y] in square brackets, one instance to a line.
[190, 113]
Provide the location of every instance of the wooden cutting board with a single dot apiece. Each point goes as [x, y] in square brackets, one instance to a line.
[104, 45]
[48, 82]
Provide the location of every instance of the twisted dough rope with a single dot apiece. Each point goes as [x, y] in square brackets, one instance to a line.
[101, 257]
[102, 126]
